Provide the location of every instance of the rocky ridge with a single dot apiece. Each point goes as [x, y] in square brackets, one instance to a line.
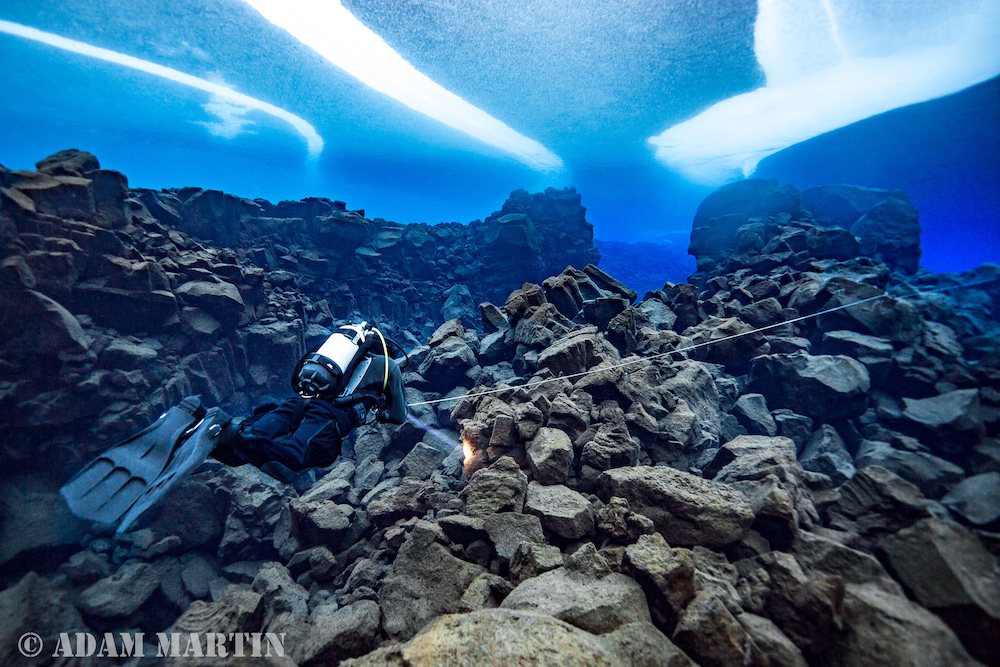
[118, 301]
[818, 493]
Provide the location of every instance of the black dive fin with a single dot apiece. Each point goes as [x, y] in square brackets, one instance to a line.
[108, 486]
[186, 456]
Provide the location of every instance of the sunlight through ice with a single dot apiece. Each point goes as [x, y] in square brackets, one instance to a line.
[329, 29]
[830, 63]
[230, 100]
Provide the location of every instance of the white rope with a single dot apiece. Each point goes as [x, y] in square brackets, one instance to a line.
[689, 348]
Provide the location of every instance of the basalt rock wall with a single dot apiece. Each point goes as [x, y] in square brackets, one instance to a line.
[117, 302]
[639, 483]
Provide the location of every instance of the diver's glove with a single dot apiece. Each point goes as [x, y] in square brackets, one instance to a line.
[356, 414]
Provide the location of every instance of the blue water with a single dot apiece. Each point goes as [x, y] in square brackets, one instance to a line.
[589, 81]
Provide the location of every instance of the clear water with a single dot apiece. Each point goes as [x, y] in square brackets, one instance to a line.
[434, 111]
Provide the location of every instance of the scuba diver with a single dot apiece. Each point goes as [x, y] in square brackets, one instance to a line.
[351, 379]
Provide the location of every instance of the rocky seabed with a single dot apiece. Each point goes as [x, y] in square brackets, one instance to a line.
[825, 492]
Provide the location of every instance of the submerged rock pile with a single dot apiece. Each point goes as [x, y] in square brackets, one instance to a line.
[118, 302]
[820, 492]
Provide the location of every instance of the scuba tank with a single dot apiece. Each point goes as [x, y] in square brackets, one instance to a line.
[354, 365]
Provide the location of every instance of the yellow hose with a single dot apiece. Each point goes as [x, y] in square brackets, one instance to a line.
[385, 351]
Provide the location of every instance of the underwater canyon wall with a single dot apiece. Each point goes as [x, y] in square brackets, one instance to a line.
[816, 492]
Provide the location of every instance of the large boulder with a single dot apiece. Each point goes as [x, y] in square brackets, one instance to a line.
[711, 635]
[885, 629]
[39, 531]
[584, 593]
[946, 569]
[497, 638]
[890, 231]
[424, 581]
[686, 509]
[821, 387]
[932, 475]
[121, 594]
[666, 575]
[499, 488]
[952, 421]
[336, 634]
[36, 605]
[550, 454]
[221, 300]
[560, 509]
[507, 530]
[976, 499]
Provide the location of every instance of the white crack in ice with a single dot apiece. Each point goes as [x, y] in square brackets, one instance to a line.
[336, 35]
[830, 63]
[231, 101]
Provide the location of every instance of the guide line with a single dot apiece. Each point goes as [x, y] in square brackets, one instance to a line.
[689, 348]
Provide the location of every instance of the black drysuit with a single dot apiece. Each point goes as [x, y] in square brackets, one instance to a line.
[299, 434]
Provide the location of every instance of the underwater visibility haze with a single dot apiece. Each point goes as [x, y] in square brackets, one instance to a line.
[434, 111]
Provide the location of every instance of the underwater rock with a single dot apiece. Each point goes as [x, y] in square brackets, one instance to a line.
[35, 604]
[686, 510]
[531, 559]
[424, 581]
[881, 628]
[508, 530]
[495, 638]
[561, 509]
[976, 499]
[947, 570]
[711, 635]
[499, 488]
[666, 575]
[583, 593]
[820, 386]
[337, 634]
[550, 454]
[121, 594]
[751, 412]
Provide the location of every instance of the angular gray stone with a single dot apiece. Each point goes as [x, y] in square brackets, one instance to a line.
[497, 638]
[463, 529]
[337, 634]
[751, 412]
[122, 593]
[932, 475]
[976, 499]
[687, 510]
[946, 569]
[643, 645]
[422, 460]
[531, 559]
[821, 387]
[949, 421]
[561, 510]
[711, 635]
[424, 581]
[775, 644]
[885, 629]
[508, 529]
[36, 605]
[665, 574]
[498, 488]
[597, 602]
[826, 453]
[550, 454]
[486, 591]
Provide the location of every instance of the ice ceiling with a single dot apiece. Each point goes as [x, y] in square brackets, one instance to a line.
[708, 87]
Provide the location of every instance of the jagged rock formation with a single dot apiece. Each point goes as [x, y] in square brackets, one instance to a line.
[820, 492]
[118, 302]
